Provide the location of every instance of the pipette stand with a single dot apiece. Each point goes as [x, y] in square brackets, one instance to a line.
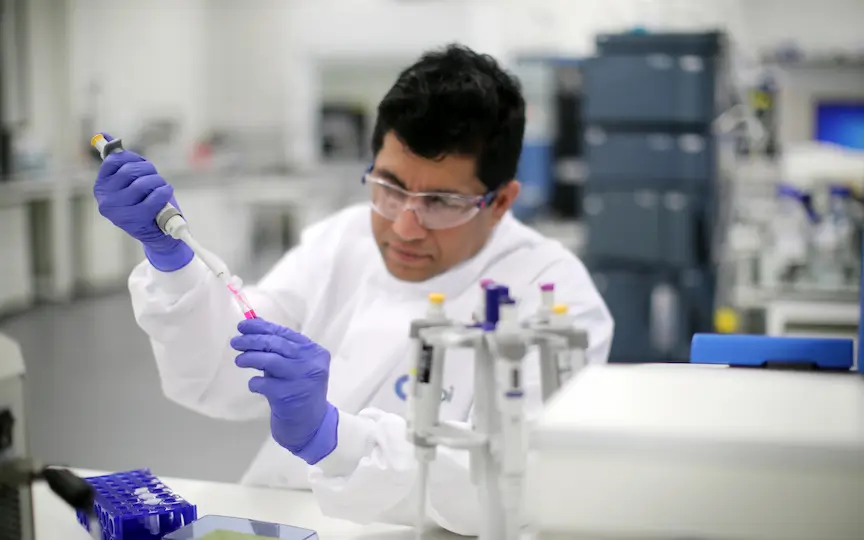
[497, 439]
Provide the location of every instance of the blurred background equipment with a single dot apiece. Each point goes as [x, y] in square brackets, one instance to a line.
[551, 169]
[653, 186]
[343, 133]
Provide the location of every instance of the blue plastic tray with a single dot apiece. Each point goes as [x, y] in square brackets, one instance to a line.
[765, 351]
[136, 505]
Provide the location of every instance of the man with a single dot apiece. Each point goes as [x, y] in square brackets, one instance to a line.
[327, 361]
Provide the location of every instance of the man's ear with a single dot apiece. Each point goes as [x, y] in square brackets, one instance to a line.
[506, 197]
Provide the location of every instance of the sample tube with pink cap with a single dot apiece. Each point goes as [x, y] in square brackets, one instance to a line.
[479, 314]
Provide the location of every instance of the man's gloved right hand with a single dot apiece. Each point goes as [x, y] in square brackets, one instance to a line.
[130, 193]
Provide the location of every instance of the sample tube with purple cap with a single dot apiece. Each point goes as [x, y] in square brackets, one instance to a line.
[480, 311]
[547, 300]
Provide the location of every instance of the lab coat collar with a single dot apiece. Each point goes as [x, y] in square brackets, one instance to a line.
[466, 274]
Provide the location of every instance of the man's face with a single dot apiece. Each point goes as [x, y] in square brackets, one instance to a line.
[412, 252]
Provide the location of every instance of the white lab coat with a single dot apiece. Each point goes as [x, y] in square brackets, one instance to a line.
[335, 289]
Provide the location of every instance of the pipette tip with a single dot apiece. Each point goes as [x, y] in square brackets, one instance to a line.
[248, 312]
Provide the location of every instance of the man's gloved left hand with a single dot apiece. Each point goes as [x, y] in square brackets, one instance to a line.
[296, 371]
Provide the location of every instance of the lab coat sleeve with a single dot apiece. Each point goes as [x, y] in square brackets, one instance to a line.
[371, 476]
[190, 319]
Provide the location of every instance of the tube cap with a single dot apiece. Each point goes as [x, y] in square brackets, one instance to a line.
[96, 138]
[786, 190]
[436, 298]
[840, 191]
[726, 320]
[559, 309]
[547, 287]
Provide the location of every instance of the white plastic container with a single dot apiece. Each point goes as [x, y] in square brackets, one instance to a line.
[708, 452]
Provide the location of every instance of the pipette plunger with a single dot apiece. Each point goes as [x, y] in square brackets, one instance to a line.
[169, 218]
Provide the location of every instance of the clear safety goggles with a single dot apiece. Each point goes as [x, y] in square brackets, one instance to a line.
[433, 210]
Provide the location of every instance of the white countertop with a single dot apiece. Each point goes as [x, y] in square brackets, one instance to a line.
[55, 520]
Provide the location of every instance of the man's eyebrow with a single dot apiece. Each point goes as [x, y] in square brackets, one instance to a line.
[390, 176]
[387, 174]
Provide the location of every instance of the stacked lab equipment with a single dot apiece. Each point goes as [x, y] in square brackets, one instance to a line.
[652, 185]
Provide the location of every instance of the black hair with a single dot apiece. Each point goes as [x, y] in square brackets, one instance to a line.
[456, 101]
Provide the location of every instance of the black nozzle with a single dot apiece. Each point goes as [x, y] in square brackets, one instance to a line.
[76, 491]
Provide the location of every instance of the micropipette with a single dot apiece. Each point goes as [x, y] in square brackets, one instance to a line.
[424, 400]
[171, 222]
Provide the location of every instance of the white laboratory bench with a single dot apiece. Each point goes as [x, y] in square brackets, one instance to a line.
[55, 520]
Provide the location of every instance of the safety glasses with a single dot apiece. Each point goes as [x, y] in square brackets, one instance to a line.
[433, 210]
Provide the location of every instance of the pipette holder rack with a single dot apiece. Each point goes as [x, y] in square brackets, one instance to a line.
[136, 505]
[498, 461]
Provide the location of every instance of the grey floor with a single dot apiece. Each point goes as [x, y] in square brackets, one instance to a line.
[94, 399]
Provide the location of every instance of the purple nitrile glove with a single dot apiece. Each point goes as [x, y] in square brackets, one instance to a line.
[296, 371]
[130, 193]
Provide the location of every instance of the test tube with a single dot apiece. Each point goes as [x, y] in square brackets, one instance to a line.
[435, 308]
[547, 299]
[508, 317]
[480, 311]
[152, 520]
[240, 298]
[564, 358]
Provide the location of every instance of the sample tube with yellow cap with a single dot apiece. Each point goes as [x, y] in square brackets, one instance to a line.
[435, 311]
[569, 361]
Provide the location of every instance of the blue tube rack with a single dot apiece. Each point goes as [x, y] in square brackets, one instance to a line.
[124, 515]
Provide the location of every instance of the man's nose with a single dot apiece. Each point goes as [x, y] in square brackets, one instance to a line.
[408, 227]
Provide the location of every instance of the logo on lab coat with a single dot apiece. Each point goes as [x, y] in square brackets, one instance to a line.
[401, 382]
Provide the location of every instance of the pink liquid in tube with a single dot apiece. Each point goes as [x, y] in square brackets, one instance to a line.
[247, 310]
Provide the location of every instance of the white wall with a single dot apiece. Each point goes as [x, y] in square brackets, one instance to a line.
[255, 64]
[245, 62]
[568, 27]
[812, 24]
[376, 28]
[46, 75]
[145, 60]
[358, 83]
[12, 55]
